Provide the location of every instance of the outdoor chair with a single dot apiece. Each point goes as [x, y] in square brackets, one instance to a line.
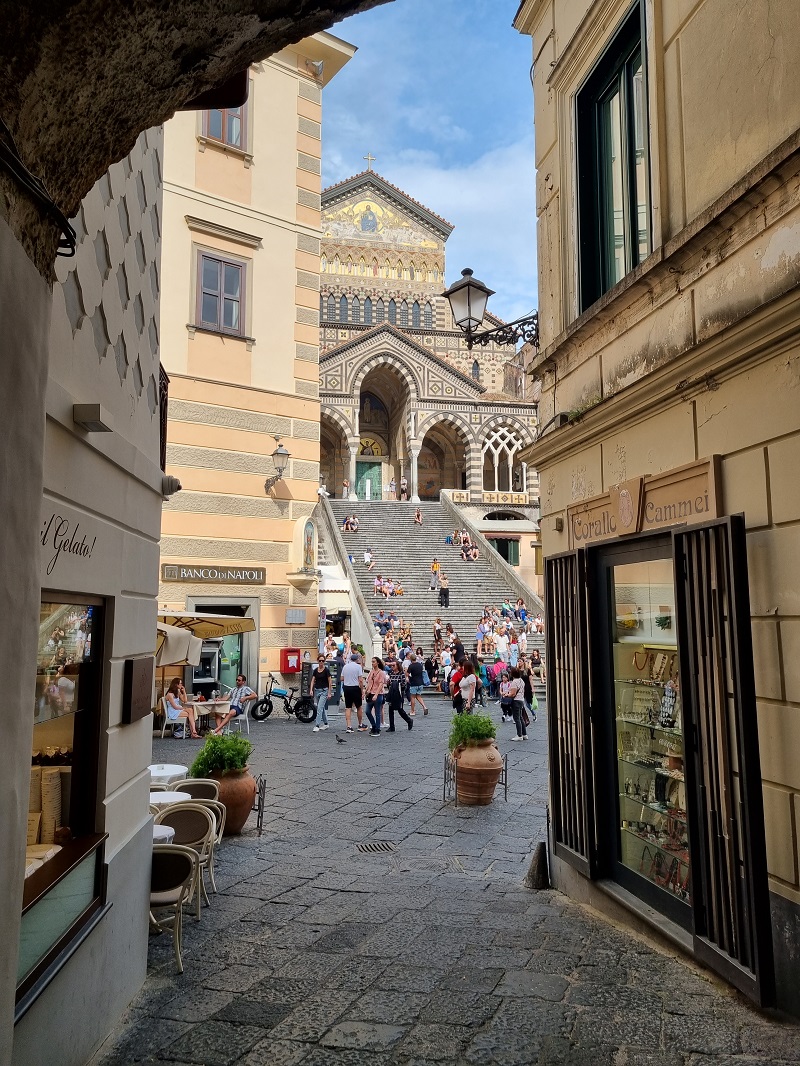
[199, 788]
[166, 723]
[237, 722]
[195, 827]
[219, 811]
[172, 875]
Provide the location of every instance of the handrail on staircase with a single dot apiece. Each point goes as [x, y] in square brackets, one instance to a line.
[503, 569]
[334, 537]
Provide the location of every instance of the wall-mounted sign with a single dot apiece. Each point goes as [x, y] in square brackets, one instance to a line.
[208, 574]
[677, 497]
[61, 535]
[137, 688]
[518, 498]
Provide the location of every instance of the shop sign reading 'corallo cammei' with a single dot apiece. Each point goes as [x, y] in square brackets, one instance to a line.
[209, 574]
[683, 496]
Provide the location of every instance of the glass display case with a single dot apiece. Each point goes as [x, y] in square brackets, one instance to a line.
[653, 839]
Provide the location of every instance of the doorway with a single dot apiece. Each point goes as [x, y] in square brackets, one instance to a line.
[368, 480]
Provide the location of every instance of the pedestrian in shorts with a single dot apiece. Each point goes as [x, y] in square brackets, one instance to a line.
[353, 685]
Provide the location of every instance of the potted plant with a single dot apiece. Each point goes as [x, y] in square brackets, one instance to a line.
[472, 747]
[225, 759]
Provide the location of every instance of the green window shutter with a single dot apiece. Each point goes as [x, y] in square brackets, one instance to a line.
[513, 552]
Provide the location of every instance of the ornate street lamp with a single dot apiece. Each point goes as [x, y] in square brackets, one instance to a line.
[280, 459]
[468, 298]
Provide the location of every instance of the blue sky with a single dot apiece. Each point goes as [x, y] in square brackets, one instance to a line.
[439, 92]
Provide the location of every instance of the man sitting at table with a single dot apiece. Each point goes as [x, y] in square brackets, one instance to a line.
[239, 697]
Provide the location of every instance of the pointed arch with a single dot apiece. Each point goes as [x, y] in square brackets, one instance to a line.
[387, 270]
[380, 310]
[355, 310]
[476, 370]
[336, 264]
[362, 266]
[393, 312]
[323, 263]
[412, 271]
[343, 309]
[415, 316]
[374, 268]
[404, 314]
[368, 311]
[331, 315]
[399, 269]
[349, 264]
[428, 316]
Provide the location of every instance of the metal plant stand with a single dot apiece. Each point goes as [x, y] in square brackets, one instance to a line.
[450, 780]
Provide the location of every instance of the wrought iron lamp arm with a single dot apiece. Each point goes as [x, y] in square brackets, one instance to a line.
[522, 329]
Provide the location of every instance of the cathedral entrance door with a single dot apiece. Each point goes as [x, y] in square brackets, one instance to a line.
[368, 480]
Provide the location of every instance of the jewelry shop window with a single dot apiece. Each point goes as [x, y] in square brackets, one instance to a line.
[64, 872]
[652, 825]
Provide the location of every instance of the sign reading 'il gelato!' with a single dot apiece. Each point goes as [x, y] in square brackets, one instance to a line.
[62, 536]
[678, 497]
[210, 574]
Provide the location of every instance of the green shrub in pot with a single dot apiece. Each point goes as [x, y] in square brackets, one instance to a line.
[468, 729]
[221, 753]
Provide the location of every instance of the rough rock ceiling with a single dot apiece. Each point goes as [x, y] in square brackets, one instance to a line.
[81, 79]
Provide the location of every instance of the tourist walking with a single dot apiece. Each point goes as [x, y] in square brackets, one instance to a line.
[395, 697]
[416, 683]
[444, 591]
[468, 687]
[373, 690]
[516, 693]
[353, 685]
[436, 567]
[321, 692]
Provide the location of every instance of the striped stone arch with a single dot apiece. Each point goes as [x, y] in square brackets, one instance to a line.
[526, 433]
[435, 419]
[336, 416]
[386, 358]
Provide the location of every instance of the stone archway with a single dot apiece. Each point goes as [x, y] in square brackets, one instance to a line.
[333, 454]
[444, 459]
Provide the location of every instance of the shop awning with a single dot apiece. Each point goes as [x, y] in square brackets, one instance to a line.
[208, 626]
[176, 647]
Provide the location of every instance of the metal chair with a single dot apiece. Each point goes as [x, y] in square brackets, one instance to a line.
[172, 876]
[168, 721]
[195, 827]
[199, 788]
[220, 812]
[237, 722]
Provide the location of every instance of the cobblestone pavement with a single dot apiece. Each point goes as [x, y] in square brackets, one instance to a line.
[316, 953]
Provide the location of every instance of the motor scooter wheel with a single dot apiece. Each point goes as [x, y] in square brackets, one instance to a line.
[262, 709]
[305, 710]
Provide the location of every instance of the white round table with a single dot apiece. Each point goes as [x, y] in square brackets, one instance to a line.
[163, 834]
[164, 799]
[164, 773]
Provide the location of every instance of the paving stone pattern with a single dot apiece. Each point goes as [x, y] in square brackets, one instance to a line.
[316, 953]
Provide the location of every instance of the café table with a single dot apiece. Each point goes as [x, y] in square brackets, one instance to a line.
[167, 773]
[163, 834]
[164, 799]
[205, 709]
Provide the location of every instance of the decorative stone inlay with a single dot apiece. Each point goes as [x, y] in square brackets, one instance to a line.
[309, 127]
[309, 199]
[307, 388]
[303, 470]
[218, 459]
[302, 508]
[275, 638]
[305, 430]
[214, 503]
[230, 417]
[308, 91]
[307, 280]
[309, 352]
[307, 243]
[307, 315]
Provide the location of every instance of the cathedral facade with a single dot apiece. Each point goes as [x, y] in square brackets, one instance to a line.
[401, 395]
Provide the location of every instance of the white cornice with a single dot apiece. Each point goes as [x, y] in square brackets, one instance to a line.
[214, 229]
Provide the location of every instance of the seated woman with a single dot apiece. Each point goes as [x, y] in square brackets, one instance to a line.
[354, 523]
[388, 588]
[378, 582]
[418, 517]
[474, 553]
[399, 590]
[520, 611]
[464, 553]
[457, 537]
[177, 706]
[346, 524]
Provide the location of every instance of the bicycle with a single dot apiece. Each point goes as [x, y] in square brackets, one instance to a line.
[301, 707]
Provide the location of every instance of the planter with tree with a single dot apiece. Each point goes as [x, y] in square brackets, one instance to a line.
[225, 759]
[479, 762]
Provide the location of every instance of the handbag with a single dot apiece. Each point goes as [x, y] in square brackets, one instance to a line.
[525, 719]
[425, 679]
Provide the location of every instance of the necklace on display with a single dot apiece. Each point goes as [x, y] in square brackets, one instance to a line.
[640, 667]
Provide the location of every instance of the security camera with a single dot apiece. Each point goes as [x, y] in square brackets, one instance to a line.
[169, 486]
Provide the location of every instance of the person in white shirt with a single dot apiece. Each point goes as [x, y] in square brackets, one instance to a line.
[240, 697]
[353, 688]
[467, 685]
[501, 643]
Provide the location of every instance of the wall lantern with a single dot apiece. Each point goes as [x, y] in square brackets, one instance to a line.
[280, 459]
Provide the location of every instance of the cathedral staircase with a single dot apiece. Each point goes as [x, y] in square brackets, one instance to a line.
[404, 552]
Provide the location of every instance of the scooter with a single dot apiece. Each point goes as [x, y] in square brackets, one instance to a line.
[303, 707]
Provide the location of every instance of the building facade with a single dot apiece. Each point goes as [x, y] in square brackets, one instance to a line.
[80, 828]
[240, 341]
[668, 155]
[402, 396]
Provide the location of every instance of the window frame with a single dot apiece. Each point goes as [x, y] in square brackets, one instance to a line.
[225, 113]
[612, 70]
[224, 259]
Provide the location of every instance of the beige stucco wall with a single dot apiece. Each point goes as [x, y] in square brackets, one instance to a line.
[229, 396]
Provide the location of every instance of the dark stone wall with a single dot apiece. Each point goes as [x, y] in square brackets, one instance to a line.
[81, 79]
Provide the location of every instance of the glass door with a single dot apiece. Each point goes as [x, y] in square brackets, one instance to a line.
[651, 834]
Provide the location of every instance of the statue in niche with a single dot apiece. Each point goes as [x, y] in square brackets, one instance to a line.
[366, 415]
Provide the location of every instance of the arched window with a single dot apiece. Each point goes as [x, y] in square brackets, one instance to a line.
[323, 264]
[436, 274]
[387, 270]
[411, 272]
[415, 314]
[393, 312]
[343, 309]
[355, 310]
[362, 266]
[349, 264]
[336, 264]
[321, 307]
[331, 308]
[404, 314]
[476, 371]
[374, 268]
[499, 448]
[428, 316]
[399, 270]
[368, 311]
[380, 311]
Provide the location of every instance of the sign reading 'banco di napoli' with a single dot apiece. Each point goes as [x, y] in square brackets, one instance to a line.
[209, 574]
[678, 497]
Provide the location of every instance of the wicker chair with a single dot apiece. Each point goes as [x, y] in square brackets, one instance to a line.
[172, 876]
[220, 813]
[195, 827]
[199, 788]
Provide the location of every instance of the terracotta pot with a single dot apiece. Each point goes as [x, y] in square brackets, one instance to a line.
[237, 790]
[479, 767]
